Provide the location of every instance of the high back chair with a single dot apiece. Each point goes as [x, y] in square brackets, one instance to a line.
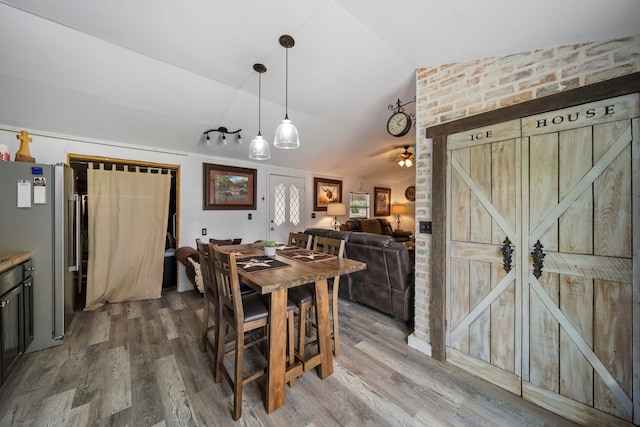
[300, 240]
[334, 247]
[329, 245]
[210, 293]
[241, 316]
[303, 297]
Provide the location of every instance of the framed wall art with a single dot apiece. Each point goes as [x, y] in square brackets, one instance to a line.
[228, 187]
[326, 191]
[382, 201]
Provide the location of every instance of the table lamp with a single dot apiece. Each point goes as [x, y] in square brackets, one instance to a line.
[397, 210]
[335, 210]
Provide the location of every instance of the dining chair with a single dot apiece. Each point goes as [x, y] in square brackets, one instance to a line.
[300, 240]
[334, 247]
[210, 294]
[304, 297]
[243, 324]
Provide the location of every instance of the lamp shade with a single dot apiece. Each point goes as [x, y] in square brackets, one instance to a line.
[336, 209]
[259, 149]
[398, 209]
[286, 136]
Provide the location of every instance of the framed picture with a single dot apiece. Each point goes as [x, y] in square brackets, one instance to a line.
[326, 191]
[228, 187]
[382, 201]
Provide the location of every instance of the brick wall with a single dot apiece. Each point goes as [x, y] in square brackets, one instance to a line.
[453, 91]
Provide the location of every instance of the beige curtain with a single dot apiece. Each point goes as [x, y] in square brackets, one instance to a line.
[127, 228]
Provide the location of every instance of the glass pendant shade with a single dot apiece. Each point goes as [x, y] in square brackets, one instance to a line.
[286, 135]
[259, 149]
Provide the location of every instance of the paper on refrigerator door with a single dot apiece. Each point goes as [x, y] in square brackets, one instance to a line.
[24, 193]
[39, 190]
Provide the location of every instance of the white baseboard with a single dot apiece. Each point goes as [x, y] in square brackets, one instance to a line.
[420, 345]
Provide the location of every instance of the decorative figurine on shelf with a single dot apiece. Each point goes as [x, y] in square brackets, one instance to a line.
[23, 154]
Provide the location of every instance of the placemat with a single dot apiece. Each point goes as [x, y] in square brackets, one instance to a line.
[243, 253]
[259, 263]
[306, 255]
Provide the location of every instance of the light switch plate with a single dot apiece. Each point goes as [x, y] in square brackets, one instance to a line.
[425, 227]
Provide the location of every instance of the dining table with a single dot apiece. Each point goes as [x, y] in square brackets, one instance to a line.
[275, 283]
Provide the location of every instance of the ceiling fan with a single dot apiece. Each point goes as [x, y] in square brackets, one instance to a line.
[406, 159]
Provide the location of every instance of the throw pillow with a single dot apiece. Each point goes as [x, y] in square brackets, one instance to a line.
[196, 267]
[371, 226]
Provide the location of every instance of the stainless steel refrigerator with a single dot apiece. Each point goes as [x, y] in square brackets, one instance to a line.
[38, 214]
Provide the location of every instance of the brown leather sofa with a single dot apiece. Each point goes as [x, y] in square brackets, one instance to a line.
[387, 284]
[375, 226]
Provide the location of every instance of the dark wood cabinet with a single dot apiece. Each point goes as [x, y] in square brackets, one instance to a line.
[16, 316]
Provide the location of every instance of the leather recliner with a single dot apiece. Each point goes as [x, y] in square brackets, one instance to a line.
[387, 284]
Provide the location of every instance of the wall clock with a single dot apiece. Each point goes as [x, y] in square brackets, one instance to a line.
[398, 124]
[410, 193]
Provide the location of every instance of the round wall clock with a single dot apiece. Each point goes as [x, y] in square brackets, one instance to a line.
[410, 193]
[399, 124]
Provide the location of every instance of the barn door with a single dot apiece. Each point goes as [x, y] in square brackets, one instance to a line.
[553, 312]
[483, 288]
[579, 289]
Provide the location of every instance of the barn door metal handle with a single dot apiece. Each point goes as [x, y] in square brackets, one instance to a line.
[538, 257]
[507, 252]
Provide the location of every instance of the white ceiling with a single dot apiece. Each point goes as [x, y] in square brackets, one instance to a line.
[160, 72]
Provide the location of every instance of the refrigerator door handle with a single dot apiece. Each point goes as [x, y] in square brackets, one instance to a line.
[73, 228]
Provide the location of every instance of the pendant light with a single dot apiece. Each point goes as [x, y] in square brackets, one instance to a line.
[259, 148]
[286, 133]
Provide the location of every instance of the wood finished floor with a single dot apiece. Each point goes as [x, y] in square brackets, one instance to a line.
[139, 364]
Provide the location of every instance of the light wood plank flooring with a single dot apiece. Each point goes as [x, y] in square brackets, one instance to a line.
[139, 364]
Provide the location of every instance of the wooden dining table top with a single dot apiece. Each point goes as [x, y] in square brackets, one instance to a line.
[299, 273]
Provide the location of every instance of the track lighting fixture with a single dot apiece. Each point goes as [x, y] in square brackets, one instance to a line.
[224, 132]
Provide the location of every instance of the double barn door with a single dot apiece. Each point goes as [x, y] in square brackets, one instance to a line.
[540, 242]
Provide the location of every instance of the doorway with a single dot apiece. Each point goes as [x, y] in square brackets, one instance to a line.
[286, 206]
[80, 164]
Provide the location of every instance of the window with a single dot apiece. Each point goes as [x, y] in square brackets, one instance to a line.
[358, 205]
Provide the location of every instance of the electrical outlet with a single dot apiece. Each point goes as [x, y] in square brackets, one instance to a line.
[204, 231]
[313, 215]
[249, 216]
[425, 227]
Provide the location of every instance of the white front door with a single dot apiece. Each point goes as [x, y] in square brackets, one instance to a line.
[286, 206]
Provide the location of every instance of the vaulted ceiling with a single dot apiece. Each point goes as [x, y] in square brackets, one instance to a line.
[160, 72]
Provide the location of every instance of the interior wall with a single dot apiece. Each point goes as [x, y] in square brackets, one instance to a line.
[51, 148]
[454, 91]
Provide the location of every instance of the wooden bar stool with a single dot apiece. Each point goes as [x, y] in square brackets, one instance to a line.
[246, 319]
[210, 294]
[300, 240]
[303, 298]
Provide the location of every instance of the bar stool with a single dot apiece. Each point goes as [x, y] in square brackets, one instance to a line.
[303, 298]
[210, 294]
[246, 318]
[300, 240]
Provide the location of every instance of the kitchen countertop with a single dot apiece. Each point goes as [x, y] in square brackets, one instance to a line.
[9, 260]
